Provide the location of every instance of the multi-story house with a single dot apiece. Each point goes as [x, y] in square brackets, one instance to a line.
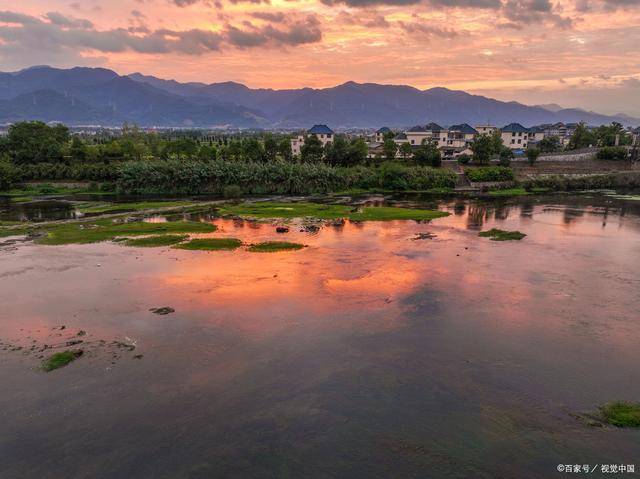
[322, 132]
[535, 134]
[379, 137]
[431, 131]
[515, 136]
[485, 129]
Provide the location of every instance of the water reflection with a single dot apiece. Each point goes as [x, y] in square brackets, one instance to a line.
[367, 354]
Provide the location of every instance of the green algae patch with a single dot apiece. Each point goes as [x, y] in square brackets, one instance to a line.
[105, 230]
[274, 246]
[267, 209]
[156, 241]
[210, 244]
[390, 213]
[496, 234]
[61, 359]
[621, 414]
[136, 206]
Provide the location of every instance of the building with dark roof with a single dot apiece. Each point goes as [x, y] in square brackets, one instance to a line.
[320, 130]
[515, 136]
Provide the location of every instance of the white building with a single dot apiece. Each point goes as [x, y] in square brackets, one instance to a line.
[515, 136]
[322, 132]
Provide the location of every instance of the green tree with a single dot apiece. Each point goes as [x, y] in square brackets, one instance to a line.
[357, 152]
[405, 150]
[337, 153]
[549, 144]
[483, 148]
[36, 142]
[312, 150]
[270, 147]
[606, 135]
[428, 154]
[506, 155]
[582, 137]
[389, 149]
[78, 149]
[284, 149]
[532, 155]
[252, 150]
[207, 153]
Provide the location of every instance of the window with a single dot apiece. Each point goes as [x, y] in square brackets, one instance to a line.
[519, 141]
[513, 141]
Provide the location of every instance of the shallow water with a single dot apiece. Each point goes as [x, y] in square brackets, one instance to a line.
[367, 354]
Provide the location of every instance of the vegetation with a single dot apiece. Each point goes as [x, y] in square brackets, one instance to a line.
[582, 138]
[483, 148]
[621, 414]
[156, 241]
[509, 192]
[532, 155]
[61, 359]
[549, 144]
[273, 246]
[618, 153]
[105, 230]
[264, 210]
[624, 180]
[506, 155]
[210, 244]
[496, 234]
[428, 154]
[137, 206]
[490, 173]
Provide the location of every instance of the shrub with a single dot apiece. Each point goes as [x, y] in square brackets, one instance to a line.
[463, 159]
[612, 153]
[532, 155]
[505, 156]
[490, 173]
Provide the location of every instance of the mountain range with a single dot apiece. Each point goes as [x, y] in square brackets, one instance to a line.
[98, 96]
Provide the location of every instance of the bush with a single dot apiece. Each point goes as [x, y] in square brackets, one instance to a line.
[616, 153]
[505, 156]
[73, 171]
[624, 180]
[490, 173]
[532, 155]
[464, 159]
[232, 191]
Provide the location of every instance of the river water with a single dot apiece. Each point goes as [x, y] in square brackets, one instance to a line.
[368, 354]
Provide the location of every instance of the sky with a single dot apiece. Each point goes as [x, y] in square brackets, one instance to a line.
[574, 53]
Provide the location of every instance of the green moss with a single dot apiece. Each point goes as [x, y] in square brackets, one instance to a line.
[502, 235]
[155, 241]
[61, 359]
[621, 414]
[273, 246]
[267, 209]
[509, 192]
[137, 206]
[104, 230]
[210, 244]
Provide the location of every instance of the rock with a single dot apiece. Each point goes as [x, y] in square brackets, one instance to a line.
[73, 342]
[82, 333]
[338, 222]
[311, 228]
[162, 311]
[138, 356]
[282, 229]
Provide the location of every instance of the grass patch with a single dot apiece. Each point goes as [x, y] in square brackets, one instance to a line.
[390, 213]
[509, 192]
[19, 231]
[134, 206]
[104, 230]
[502, 235]
[621, 413]
[210, 244]
[156, 241]
[273, 246]
[264, 210]
[61, 359]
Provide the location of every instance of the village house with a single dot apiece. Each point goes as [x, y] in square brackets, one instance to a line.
[535, 134]
[322, 132]
[430, 131]
[515, 136]
[485, 129]
[380, 134]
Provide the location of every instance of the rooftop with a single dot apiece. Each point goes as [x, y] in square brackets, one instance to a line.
[514, 128]
[384, 129]
[320, 130]
[463, 128]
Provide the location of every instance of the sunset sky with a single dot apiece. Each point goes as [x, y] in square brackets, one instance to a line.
[583, 53]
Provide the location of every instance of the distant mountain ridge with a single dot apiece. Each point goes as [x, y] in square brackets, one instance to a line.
[98, 96]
